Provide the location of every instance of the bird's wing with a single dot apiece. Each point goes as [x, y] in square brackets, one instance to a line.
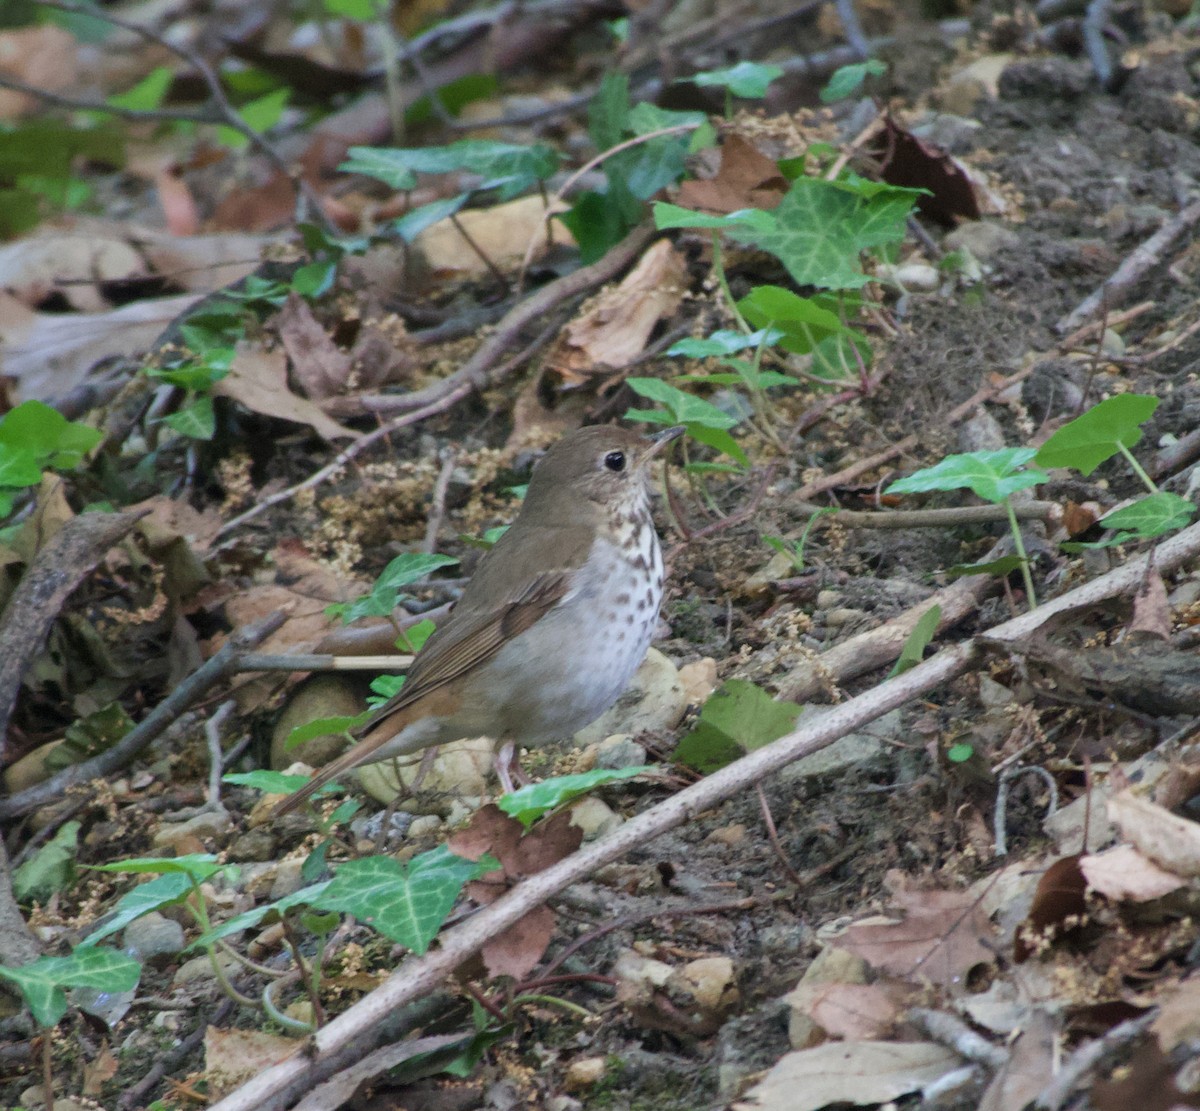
[493, 609]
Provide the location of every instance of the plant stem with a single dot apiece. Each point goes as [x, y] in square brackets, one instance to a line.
[723, 283]
[1019, 544]
[553, 1001]
[48, 1065]
[1137, 468]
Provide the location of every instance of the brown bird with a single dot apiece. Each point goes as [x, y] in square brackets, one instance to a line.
[553, 624]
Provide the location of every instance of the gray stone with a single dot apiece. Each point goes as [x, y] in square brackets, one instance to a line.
[154, 937]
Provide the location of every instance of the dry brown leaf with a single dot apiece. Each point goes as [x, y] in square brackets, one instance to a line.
[179, 207]
[866, 1012]
[1166, 838]
[50, 354]
[862, 1072]
[258, 380]
[747, 179]
[521, 853]
[1030, 1066]
[168, 519]
[99, 1071]
[1178, 1018]
[319, 366]
[71, 267]
[201, 263]
[1058, 906]
[501, 232]
[614, 329]
[1124, 875]
[1146, 1082]
[940, 939]
[1151, 610]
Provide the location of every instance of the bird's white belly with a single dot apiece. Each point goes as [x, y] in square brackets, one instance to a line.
[584, 652]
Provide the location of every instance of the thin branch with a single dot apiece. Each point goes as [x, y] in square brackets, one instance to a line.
[81, 104]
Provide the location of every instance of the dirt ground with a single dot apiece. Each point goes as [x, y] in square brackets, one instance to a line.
[1079, 177]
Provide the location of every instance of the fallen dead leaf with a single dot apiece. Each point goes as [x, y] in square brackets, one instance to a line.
[862, 1072]
[233, 1056]
[1167, 839]
[319, 366]
[940, 939]
[747, 178]
[616, 325]
[1151, 610]
[44, 56]
[1030, 1066]
[1058, 906]
[257, 379]
[1126, 876]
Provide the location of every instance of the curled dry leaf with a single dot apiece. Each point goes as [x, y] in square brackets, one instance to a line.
[941, 937]
[1165, 838]
[1151, 610]
[616, 325]
[1124, 875]
[258, 380]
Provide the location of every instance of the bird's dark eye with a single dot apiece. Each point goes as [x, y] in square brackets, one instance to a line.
[615, 461]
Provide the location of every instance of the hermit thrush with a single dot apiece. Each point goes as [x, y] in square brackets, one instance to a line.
[552, 625]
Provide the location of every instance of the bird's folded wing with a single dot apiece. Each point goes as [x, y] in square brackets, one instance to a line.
[443, 660]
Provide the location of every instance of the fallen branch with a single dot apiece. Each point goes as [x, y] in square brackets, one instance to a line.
[933, 518]
[275, 1088]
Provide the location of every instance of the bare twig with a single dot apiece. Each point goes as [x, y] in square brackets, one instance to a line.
[1087, 1058]
[1139, 262]
[850, 24]
[1094, 22]
[437, 505]
[276, 1087]
[773, 837]
[934, 518]
[1000, 822]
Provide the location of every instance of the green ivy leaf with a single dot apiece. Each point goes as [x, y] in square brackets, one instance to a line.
[917, 641]
[306, 896]
[320, 727]
[38, 432]
[41, 982]
[509, 168]
[991, 475]
[404, 570]
[737, 718]
[275, 783]
[748, 80]
[682, 408]
[531, 802]
[1005, 565]
[50, 869]
[261, 114]
[1098, 434]
[155, 894]
[802, 322]
[820, 228]
[405, 903]
[411, 224]
[196, 866]
[725, 342]
[148, 93]
[1153, 515]
[847, 80]
[197, 421]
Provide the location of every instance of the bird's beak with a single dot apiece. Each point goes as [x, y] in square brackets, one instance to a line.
[661, 439]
